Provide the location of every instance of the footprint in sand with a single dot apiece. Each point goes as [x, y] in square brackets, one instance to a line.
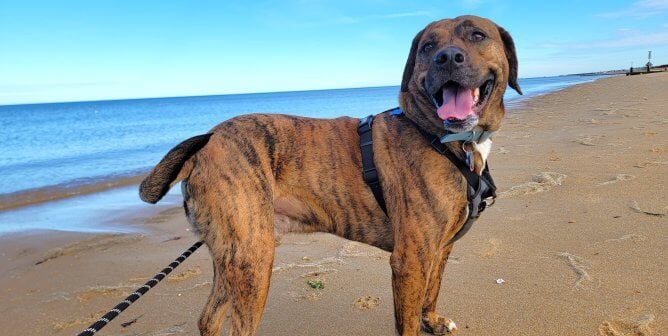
[97, 242]
[353, 249]
[587, 140]
[366, 302]
[539, 182]
[104, 291]
[490, 248]
[637, 327]
[635, 207]
[58, 326]
[580, 266]
[632, 237]
[187, 274]
[618, 178]
[312, 296]
[645, 163]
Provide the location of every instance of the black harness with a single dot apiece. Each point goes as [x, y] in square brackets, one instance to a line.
[480, 190]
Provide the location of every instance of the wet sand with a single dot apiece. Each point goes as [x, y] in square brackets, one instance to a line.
[578, 237]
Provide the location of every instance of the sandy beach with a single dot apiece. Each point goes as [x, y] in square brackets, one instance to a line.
[576, 244]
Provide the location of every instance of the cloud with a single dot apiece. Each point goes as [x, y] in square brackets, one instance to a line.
[623, 39]
[628, 39]
[639, 9]
[407, 14]
[391, 16]
[471, 4]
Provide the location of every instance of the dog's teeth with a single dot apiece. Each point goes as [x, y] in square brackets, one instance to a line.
[476, 95]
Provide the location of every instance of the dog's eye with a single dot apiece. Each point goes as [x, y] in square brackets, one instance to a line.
[477, 36]
[427, 47]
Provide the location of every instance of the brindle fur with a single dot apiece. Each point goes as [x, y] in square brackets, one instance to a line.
[256, 176]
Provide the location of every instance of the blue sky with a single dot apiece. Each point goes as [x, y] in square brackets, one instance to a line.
[109, 49]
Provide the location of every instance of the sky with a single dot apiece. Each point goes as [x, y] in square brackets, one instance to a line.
[65, 50]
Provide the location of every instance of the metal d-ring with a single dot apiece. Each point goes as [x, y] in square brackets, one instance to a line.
[468, 147]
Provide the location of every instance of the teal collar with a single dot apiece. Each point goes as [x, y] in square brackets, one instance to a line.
[477, 135]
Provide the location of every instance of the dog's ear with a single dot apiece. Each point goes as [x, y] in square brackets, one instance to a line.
[511, 55]
[410, 63]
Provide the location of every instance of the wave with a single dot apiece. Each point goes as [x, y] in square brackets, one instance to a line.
[65, 190]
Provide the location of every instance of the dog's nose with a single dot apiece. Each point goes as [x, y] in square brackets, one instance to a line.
[450, 55]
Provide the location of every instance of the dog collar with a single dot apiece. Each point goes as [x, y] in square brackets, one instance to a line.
[475, 135]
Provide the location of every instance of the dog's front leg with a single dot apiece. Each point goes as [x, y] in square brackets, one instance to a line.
[431, 321]
[409, 280]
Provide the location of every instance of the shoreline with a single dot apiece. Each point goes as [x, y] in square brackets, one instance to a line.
[572, 235]
[35, 196]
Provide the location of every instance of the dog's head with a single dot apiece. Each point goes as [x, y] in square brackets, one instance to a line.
[456, 75]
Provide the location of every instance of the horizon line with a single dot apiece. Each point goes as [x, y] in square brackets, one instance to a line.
[250, 93]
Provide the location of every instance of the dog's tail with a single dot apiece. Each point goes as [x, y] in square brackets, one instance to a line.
[171, 169]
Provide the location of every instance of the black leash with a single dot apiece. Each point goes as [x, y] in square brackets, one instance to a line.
[99, 324]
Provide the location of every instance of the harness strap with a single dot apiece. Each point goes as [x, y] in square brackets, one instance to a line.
[369, 172]
[480, 188]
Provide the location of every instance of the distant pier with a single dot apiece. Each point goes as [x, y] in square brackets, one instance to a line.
[645, 70]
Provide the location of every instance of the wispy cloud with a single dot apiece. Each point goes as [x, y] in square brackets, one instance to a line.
[471, 4]
[628, 38]
[622, 38]
[391, 16]
[639, 9]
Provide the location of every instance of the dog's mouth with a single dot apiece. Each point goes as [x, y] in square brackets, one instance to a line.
[456, 103]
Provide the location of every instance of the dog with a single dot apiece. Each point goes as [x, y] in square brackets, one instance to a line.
[257, 176]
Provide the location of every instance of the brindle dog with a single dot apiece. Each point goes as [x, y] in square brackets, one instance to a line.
[256, 176]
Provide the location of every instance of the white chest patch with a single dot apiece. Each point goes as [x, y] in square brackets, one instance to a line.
[484, 148]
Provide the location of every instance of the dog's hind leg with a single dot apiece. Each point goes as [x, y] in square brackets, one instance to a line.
[235, 219]
[248, 274]
[432, 322]
[242, 248]
[213, 315]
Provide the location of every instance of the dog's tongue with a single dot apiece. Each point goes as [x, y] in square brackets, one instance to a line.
[457, 103]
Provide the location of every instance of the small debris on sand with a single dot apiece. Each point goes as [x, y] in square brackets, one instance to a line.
[316, 284]
[171, 239]
[131, 322]
[318, 273]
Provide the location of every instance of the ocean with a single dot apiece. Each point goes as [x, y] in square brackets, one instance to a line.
[75, 166]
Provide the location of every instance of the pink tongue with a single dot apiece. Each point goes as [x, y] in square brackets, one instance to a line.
[457, 104]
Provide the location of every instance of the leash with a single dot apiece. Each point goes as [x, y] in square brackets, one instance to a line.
[99, 324]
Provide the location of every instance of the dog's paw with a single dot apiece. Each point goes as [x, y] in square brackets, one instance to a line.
[436, 324]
